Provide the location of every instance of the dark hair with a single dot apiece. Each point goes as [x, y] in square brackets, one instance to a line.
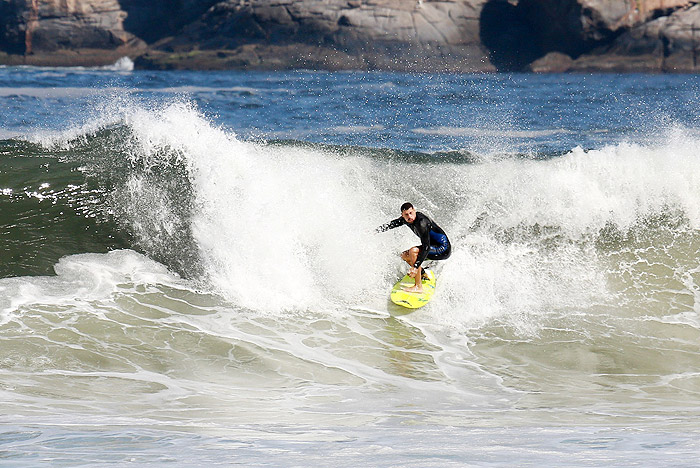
[406, 206]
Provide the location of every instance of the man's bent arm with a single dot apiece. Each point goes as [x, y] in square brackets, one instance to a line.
[424, 230]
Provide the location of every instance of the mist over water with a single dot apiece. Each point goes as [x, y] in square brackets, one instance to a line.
[174, 271]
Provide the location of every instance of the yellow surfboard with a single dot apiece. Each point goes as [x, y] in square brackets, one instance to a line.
[413, 300]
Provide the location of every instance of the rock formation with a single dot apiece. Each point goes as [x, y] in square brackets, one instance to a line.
[41, 32]
[669, 43]
[406, 35]
[87, 32]
[591, 35]
[416, 35]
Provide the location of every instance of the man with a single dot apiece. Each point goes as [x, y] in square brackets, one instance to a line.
[434, 242]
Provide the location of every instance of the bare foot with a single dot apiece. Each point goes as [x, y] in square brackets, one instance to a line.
[413, 289]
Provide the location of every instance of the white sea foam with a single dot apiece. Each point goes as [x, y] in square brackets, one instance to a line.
[124, 64]
[278, 227]
[584, 190]
[82, 278]
[283, 227]
[489, 132]
[357, 128]
[58, 92]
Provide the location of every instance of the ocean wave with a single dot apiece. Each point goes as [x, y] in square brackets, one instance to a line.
[274, 225]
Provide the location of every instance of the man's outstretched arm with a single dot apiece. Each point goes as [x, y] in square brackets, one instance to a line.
[391, 225]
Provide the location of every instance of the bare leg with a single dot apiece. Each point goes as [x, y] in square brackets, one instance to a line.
[410, 256]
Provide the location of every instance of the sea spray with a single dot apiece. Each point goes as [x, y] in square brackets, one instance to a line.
[291, 227]
[273, 227]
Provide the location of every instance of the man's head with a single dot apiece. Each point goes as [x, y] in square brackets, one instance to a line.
[408, 213]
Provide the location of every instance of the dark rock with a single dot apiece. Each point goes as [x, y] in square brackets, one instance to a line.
[154, 19]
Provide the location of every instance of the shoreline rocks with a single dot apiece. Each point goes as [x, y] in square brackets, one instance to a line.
[542, 36]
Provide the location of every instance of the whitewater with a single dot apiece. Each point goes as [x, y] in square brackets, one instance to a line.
[191, 272]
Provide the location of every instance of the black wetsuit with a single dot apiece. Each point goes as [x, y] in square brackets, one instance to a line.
[434, 242]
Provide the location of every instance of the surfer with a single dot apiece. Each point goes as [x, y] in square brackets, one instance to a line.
[434, 242]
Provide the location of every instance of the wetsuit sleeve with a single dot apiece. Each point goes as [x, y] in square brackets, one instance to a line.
[391, 225]
[423, 231]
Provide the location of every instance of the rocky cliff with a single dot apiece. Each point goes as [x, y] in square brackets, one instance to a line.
[409, 35]
[332, 34]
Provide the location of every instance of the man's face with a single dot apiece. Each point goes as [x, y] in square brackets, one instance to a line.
[409, 215]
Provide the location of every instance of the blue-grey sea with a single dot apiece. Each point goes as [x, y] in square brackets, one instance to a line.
[190, 273]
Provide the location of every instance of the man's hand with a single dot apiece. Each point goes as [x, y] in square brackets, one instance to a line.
[412, 272]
